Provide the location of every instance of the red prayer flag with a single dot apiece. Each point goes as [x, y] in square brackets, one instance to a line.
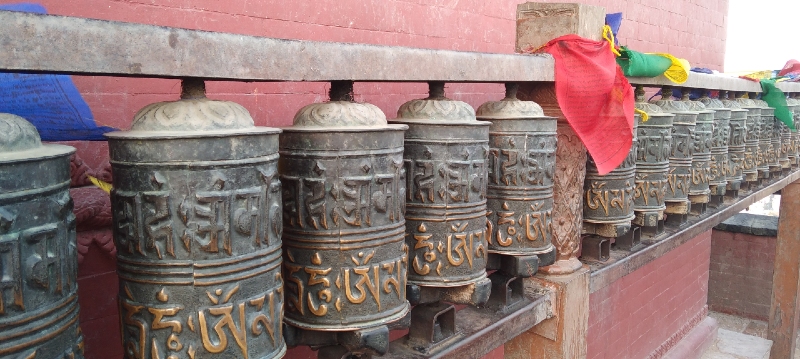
[595, 97]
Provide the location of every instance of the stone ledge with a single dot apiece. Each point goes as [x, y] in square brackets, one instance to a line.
[747, 223]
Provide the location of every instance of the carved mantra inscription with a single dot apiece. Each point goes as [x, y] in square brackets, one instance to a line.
[520, 192]
[345, 259]
[446, 210]
[38, 270]
[199, 260]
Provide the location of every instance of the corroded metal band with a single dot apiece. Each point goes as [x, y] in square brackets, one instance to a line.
[520, 189]
[345, 258]
[446, 164]
[38, 256]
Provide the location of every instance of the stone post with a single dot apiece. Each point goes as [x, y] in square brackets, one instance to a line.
[783, 312]
[564, 335]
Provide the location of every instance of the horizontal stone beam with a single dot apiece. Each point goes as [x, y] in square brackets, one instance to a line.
[70, 45]
[60, 44]
[712, 82]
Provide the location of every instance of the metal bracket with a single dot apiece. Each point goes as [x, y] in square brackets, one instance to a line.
[362, 343]
[699, 208]
[475, 294]
[629, 241]
[596, 249]
[433, 327]
[507, 292]
[716, 201]
[515, 266]
[676, 220]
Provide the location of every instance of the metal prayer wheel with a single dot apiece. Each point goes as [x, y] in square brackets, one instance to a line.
[38, 256]
[781, 138]
[755, 147]
[344, 188]
[654, 138]
[680, 159]
[699, 187]
[196, 210]
[720, 136]
[519, 198]
[771, 127]
[446, 156]
[794, 148]
[736, 144]
[608, 200]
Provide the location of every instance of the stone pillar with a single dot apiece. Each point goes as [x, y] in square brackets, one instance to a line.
[564, 335]
[568, 183]
[783, 312]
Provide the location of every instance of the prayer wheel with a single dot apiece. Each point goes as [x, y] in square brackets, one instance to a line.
[446, 154]
[519, 198]
[756, 143]
[38, 256]
[680, 159]
[736, 144]
[773, 129]
[608, 200]
[654, 138]
[781, 139]
[196, 212]
[794, 147]
[699, 187]
[344, 188]
[720, 136]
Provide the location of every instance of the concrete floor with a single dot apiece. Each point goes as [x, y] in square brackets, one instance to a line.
[741, 338]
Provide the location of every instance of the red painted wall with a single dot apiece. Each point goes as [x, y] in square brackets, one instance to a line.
[645, 313]
[740, 280]
[694, 29]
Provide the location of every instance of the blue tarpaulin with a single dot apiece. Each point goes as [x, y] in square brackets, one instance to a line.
[52, 103]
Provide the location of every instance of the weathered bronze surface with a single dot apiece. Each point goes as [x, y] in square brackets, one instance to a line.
[680, 159]
[522, 156]
[609, 199]
[652, 164]
[719, 165]
[446, 157]
[736, 144]
[197, 225]
[773, 129]
[38, 257]
[794, 147]
[344, 187]
[756, 144]
[699, 189]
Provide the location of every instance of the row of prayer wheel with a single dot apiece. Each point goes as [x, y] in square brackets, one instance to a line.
[685, 155]
[338, 224]
[226, 231]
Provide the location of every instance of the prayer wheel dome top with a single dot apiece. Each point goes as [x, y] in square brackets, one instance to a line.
[17, 134]
[645, 106]
[510, 107]
[712, 103]
[694, 105]
[339, 114]
[340, 111]
[436, 107]
[193, 112]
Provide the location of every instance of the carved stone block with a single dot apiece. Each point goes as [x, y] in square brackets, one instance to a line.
[538, 23]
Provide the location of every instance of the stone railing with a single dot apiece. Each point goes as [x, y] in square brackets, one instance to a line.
[518, 301]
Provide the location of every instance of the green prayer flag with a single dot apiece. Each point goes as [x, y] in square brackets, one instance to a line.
[637, 64]
[776, 99]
